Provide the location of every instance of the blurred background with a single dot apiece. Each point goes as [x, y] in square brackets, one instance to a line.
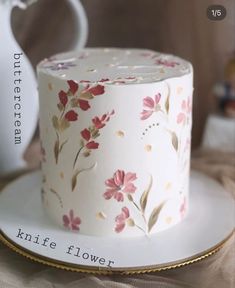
[179, 27]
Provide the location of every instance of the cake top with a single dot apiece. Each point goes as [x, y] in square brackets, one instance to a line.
[114, 66]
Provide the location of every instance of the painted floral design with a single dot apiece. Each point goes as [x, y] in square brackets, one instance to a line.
[71, 222]
[184, 116]
[151, 105]
[91, 133]
[166, 63]
[88, 143]
[121, 219]
[72, 101]
[118, 185]
[183, 208]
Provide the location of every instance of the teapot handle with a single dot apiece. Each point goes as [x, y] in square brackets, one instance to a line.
[82, 24]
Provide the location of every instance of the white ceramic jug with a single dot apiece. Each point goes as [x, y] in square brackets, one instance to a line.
[18, 88]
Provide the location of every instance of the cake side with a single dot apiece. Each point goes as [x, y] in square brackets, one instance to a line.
[116, 156]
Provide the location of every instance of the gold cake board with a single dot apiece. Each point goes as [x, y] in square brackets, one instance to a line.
[103, 271]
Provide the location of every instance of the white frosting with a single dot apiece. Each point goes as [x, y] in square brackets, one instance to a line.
[116, 156]
[93, 64]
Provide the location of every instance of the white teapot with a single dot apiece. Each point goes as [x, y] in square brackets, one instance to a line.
[18, 88]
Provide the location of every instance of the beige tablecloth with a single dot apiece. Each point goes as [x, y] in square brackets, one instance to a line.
[217, 271]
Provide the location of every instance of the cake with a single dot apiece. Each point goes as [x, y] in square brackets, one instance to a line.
[115, 128]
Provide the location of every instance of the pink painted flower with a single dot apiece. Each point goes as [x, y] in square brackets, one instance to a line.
[83, 104]
[71, 222]
[63, 98]
[92, 145]
[150, 106]
[73, 86]
[183, 116]
[121, 220]
[96, 90]
[71, 116]
[86, 134]
[166, 63]
[183, 208]
[119, 184]
[100, 122]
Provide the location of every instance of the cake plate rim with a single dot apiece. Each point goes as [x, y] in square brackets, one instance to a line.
[36, 257]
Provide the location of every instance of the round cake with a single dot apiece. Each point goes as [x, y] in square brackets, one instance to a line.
[115, 130]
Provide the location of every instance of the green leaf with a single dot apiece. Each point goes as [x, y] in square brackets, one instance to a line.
[60, 106]
[56, 150]
[74, 102]
[86, 95]
[154, 216]
[167, 103]
[55, 122]
[77, 172]
[62, 145]
[64, 124]
[74, 181]
[144, 197]
[175, 141]
[95, 134]
[130, 222]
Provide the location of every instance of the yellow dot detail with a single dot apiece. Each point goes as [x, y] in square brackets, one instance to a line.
[50, 86]
[120, 134]
[168, 186]
[168, 220]
[148, 148]
[101, 215]
[179, 90]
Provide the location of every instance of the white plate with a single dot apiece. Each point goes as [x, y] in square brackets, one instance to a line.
[209, 223]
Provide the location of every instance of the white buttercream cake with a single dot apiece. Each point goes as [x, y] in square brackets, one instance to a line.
[115, 131]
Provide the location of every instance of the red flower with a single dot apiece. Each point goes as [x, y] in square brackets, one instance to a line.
[63, 98]
[71, 116]
[152, 105]
[104, 80]
[97, 90]
[186, 108]
[92, 145]
[121, 182]
[84, 104]
[98, 122]
[73, 86]
[183, 208]
[166, 63]
[71, 222]
[86, 134]
[121, 219]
